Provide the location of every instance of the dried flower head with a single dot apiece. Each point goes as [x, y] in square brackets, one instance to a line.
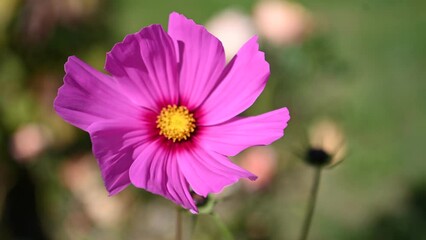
[328, 146]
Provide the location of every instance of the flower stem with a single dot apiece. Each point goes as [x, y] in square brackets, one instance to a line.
[226, 234]
[178, 224]
[194, 220]
[311, 205]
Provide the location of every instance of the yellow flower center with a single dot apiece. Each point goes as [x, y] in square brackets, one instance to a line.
[176, 123]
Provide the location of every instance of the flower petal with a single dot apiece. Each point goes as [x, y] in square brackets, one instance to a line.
[243, 79]
[233, 136]
[146, 68]
[201, 57]
[88, 96]
[156, 170]
[115, 144]
[208, 172]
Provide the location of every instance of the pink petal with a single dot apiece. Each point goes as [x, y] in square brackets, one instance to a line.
[146, 68]
[156, 170]
[232, 137]
[201, 57]
[88, 96]
[243, 80]
[207, 171]
[115, 144]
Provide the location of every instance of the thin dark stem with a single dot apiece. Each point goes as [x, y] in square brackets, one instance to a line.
[178, 224]
[311, 205]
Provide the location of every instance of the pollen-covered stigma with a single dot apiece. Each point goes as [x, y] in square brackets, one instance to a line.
[176, 123]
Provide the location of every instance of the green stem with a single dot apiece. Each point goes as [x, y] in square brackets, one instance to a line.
[178, 224]
[194, 220]
[311, 204]
[226, 234]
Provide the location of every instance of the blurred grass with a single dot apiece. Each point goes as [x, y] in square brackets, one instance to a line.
[383, 42]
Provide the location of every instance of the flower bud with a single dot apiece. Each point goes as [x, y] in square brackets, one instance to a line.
[327, 144]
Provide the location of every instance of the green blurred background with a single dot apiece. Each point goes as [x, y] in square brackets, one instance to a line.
[360, 64]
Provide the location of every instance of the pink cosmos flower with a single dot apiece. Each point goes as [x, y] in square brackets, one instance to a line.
[165, 119]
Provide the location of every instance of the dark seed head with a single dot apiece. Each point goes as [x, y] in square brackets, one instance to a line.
[317, 157]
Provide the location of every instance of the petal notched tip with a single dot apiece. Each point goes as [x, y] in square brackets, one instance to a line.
[122, 51]
[286, 117]
[178, 17]
[70, 59]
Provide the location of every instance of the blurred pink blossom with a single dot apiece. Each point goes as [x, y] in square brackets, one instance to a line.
[29, 141]
[80, 175]
[40, 17]
[282, 22]
[233, 28]
[262, 161]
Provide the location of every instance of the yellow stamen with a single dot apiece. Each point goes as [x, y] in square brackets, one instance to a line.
[176, 123]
